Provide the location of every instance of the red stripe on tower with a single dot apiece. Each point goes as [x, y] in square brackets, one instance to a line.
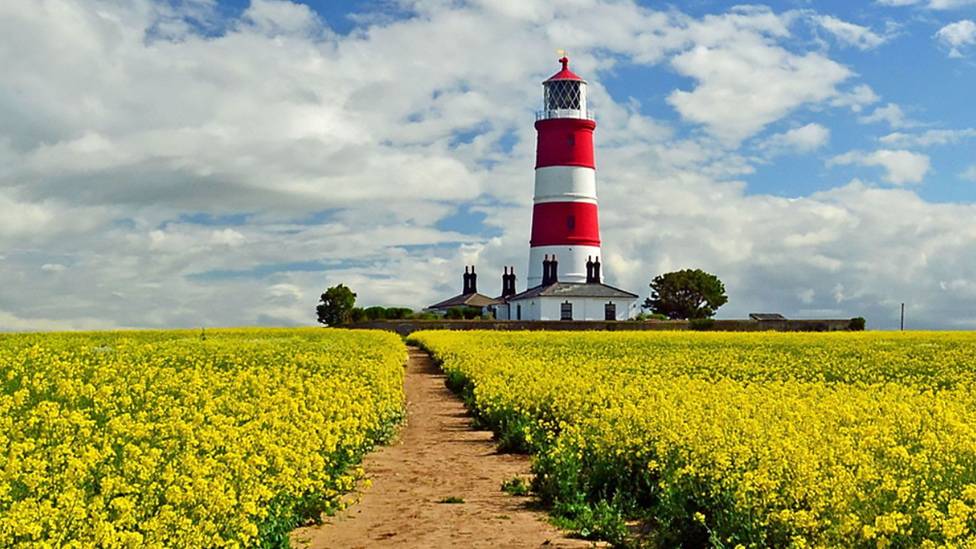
[565, 223]
[565, 219]
[565, 142]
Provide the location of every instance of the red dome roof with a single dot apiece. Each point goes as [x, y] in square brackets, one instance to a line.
[565, 74]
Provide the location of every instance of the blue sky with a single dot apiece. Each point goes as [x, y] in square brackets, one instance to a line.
[227, 161]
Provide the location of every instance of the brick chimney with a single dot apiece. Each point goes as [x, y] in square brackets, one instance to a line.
[470, 285]
[593, 270]
[550, 271]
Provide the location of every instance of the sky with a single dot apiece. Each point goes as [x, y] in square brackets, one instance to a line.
[205, 163]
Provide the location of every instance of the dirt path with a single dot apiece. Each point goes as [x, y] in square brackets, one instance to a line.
[439, 456]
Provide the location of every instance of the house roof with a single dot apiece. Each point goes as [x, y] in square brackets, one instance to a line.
[573, 289]
[473, 299]
[766, 316]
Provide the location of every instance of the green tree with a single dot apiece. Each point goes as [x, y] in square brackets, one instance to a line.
[336, 305]
[462, 313]
[686, 294]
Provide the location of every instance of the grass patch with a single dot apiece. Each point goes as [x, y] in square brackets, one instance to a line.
[515, 487]
[452, 499]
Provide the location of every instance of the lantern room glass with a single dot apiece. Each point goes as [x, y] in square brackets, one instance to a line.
[563, 94]
[564, 99]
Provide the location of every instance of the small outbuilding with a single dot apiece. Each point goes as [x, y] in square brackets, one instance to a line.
[469, 296]
[767, 317]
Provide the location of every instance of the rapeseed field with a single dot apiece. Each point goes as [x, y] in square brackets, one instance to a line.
[186, 439]
[671, 439]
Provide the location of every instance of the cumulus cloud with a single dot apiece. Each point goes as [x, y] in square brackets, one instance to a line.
[927, 139]
[930, 4]
[273, 18]
[890, 113]
[902, 167]
[747, 83]
[849, 34]
[957, 36]
[858, 98]
[804, 139]
[969, 174]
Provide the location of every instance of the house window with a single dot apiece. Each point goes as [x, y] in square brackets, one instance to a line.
[571, 140]
[610, 311]
[571, 222]
[566, 311]
[518, 310]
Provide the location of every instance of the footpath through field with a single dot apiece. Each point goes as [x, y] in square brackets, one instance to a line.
[438, 456]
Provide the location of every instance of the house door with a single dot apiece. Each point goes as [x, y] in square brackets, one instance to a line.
[610, 311]
[566, 312]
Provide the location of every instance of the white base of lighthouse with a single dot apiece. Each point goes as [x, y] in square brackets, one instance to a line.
[572, 262]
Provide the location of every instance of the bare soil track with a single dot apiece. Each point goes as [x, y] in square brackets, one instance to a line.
[438, 456]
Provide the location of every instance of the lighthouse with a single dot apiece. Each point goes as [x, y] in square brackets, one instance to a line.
[565, 280]
[565, 221]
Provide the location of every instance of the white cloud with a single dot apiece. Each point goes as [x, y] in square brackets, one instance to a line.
[749, 83]
[277, 17]
[880, 246]
[956, 36]
[804, 139]
[927, 139]
[969, 174]
[903, 167]
[9, 322]
[861, 96]
[849, 34]
[930, 4]
[890, 113]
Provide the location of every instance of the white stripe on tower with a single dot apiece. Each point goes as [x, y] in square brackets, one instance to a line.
[565, 183]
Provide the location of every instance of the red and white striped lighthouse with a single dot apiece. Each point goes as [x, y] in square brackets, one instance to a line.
[565, 223]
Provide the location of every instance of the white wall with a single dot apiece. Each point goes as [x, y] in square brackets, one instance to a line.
[550, 308]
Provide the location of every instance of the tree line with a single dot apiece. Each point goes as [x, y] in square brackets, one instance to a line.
[337, 306]
[688, 294]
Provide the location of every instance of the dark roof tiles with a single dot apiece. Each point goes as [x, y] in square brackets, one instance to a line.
[465, 300]
[574, 289]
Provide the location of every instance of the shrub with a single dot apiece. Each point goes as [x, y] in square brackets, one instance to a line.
[701, 324]
[375, 313]
[463, 313]
[642, 316]
[399, 313]
[857, 324]
[357, 314]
